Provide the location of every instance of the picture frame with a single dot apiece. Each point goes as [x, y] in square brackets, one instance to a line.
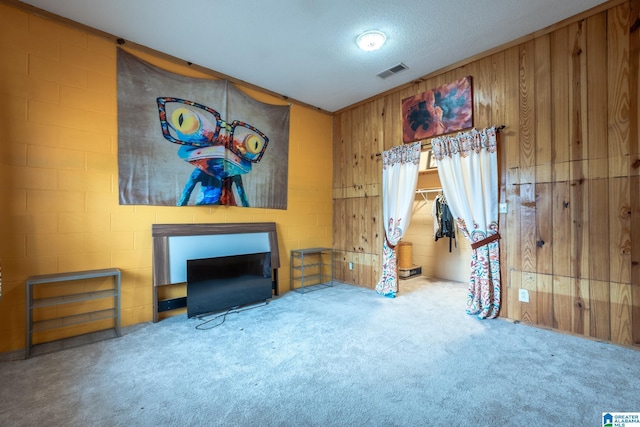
[427, 161]
[431, 161]
[444, 109]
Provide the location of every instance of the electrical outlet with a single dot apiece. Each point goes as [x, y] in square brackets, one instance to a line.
[523, 295]
[503, 208]
[350, 266]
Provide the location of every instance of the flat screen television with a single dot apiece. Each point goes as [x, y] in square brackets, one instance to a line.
[227, 282]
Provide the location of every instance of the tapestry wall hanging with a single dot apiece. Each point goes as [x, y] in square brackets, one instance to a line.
[438, 111]
[189, 141]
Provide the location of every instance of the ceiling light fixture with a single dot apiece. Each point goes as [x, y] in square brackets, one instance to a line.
[371, 40]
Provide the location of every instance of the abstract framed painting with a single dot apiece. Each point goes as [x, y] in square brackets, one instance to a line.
[445, 109]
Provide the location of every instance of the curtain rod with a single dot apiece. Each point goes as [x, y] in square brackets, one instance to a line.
[498, 128]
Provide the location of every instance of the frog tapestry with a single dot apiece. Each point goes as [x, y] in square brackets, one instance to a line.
[188, 141]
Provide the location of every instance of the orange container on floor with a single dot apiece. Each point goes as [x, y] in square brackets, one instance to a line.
[405, 255]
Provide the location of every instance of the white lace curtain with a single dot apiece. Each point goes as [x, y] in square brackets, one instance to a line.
[400, 168]
[468, 170]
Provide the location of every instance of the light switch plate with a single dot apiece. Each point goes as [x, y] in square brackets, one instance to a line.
[503, 208]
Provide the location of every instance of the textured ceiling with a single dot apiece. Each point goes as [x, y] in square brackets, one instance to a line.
[305, 49]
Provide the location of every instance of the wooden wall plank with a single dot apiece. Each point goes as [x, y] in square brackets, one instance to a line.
[544, 309]
[580, 316]
[561, 229]
[511, 150]
[621, 313]
[596, 140]
[527, 137]
[529, 310]
[562, 302]
[618, 90]
[543, 104]
[528, 232]
[544, 228]
[515, 283]
[600, 309]
[579, 203]
[560, 77]
[499, 116]
[634, 151]
[481, 77]
[599, 252]
[578, 90]
[619, 231]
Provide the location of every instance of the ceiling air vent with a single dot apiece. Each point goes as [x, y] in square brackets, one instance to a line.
[391, 71]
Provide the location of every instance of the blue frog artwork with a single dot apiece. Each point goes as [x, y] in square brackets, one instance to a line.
[221, 152]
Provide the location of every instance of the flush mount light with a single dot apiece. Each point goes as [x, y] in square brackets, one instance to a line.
[371, 40]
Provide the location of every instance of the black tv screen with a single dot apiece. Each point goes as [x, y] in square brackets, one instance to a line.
[227, 282]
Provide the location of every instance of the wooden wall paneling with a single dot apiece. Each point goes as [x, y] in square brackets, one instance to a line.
[618, 89]
[499, 117]
[510, 138]
[598, 202]
[544, 228]
[542, 105]
[561, 228]
[528, 310]
[349, 148]
[544, 299]
[596, 54]
[580, 225]
[597, 143]
[378, 233]
[513, 242]
[513, 305]
[618, 24]
[543, 147]
[634, 138]
[365, 275]
[357, 167]
[347, 136]
[619, 229]
[621, 313]
[348, 232]
[338, 146]
[581, 304]
[635, 258]
[528, 234]
[369, 120]
[578, 89]
[352, 208]
[355, 274]
[562, 302]
[600, 309]
[480, 72]
[579, 183]
[339, 244]
[569, 159]
[394, 136]
[527, 136]
[366, 230]
[560, 95]
[388, 122]
[543, 188]
[376, 269]
[598, 212]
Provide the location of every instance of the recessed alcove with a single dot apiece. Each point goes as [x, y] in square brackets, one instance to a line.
[174, 244]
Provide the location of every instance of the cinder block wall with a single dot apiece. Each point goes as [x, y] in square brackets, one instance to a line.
[59, 188]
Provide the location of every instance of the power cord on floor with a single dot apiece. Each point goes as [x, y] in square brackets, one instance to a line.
[232, 310]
